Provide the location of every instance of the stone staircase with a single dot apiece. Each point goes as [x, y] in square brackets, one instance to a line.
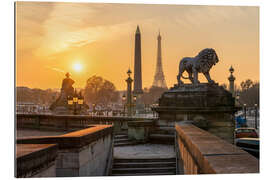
[162, 136]
[121, 139]
[143, 167]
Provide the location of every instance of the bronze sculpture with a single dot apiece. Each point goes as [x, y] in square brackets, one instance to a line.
[67, 85]
[66, 91]
[202, 63]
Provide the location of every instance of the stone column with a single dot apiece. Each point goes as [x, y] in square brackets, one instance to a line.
[129, 94]
[231, 80]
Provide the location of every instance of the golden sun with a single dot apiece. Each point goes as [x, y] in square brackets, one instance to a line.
[77, 67]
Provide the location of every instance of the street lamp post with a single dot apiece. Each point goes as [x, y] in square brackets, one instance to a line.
[245, 111]
[134, 103]
[80, 101]
[124, 103]
[237, 97]
[94, 108]
[129, 81]
[74, 101]
[256, 114]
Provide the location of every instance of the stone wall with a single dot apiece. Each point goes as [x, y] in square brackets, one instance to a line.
[200, 152]
[90, 160]
[87, 152]
[35, 160]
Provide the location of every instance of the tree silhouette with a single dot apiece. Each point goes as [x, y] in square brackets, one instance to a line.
[249, 93]
[36, 96]
[100, 91]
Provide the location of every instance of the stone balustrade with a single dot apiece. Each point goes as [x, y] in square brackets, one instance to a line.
[200, 152]
[68, 122]
[86, 152]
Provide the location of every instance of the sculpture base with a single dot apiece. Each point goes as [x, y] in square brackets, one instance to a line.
[207, 106]
[61, 110]
[139, 106]
[61, 107]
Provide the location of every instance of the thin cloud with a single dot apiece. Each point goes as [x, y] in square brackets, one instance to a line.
[55, 69]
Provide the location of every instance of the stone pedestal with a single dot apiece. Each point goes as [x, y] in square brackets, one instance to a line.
[139, 130]
[208, 106]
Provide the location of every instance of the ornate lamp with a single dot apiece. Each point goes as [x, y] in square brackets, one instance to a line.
[70, 100]
[80, 99]
[134, 98]
[75, 99]
[124, 97]
[94, 107]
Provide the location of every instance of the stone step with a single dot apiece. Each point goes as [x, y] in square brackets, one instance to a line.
[124, 143]
[143, 164]
[143, 170]
[120, 136]
[144, 160]
[145, 174]
[121, 140]
[162, 131]
[166, 128]
[121, 133]
[162, 138]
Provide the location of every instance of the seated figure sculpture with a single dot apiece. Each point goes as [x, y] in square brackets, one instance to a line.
[66, 90]
[202, 63]
[67, 85]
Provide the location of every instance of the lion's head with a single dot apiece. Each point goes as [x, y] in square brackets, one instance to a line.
[207, 58]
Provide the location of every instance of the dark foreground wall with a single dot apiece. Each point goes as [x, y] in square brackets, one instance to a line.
[87, 152]
[35, 160]
[200, 152]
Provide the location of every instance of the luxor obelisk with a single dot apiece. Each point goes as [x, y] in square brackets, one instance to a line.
[138, 70]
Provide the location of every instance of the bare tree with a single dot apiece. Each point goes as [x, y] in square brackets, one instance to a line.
[250, 92]
[100, 91]
[246, 84]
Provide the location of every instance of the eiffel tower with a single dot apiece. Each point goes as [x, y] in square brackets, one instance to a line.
[159, 79]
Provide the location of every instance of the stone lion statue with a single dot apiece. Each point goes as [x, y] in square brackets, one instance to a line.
[202, 63]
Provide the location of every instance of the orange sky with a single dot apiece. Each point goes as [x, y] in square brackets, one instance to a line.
[51, 37]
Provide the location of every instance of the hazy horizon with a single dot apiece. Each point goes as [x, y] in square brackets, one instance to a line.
[89, 39]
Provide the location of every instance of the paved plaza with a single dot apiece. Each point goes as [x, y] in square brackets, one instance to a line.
[144, 151]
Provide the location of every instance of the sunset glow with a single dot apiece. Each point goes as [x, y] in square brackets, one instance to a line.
[57, 37]
[77, 67]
